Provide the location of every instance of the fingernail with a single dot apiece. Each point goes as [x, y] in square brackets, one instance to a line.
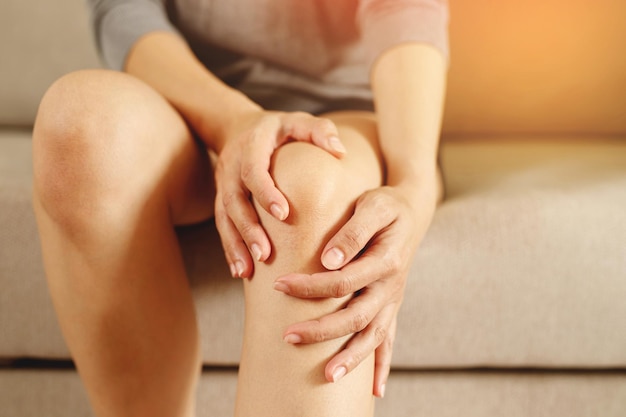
[281, 286]
[239, 268]
[292, 338]
[333, 258]
[336, 144]
[256, 251]
[382, 390]
[339, 373]
[233, 270]
[278, 212]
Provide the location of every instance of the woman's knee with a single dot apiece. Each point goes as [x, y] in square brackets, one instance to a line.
[317, 183]
[86, 128]
[321, 190]
[310, 178]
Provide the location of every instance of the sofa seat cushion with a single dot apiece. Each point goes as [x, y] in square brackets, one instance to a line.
[525, 262]
[524, 265]
[435, 394]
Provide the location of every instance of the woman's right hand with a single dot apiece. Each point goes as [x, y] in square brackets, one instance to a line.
[243, 172]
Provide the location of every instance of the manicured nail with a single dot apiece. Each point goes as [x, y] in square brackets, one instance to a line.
[239, 268]
[333, 258]
[336, 144]
[256, 251]
[292, 338]
[339, 373]
[382, 390]
[281, 286]
[233, 270]
[278, 212]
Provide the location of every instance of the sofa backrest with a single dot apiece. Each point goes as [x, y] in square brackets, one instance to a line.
[40, 40]
[535, 66]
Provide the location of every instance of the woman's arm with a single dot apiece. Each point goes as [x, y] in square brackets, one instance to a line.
[409, 86]
[167, 64]
[239, 131]
[388, 222]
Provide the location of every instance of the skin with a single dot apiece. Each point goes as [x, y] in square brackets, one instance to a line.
[408, 82]
[106, 207]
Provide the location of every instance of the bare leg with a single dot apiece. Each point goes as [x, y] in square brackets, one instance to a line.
[115, 168]
[278, 379]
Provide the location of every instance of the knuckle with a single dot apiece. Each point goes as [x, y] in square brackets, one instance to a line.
[384, 361]
[263, 195]
[247, 230]
[353, 238]
[355, 359]
[319, 334]
[381, 204]
[380, 335]
[248, 173]
[392, 263]
[291, 120]
[228, 199]
[220, 221]
[359, 321]
[388, 343]
[326, 125]
[342, 287]
[306, 291]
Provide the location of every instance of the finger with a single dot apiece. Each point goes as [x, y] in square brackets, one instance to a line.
[317, 130]
[373, 213]
[378, 262]
[355, 317]
[255, 165]
[241, 213]
[382, 361]
[361, 346]
[235, 250]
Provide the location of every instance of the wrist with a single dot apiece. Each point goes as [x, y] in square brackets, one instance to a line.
[164, 61]
[423, 187]
[218, 119]
[414, 172]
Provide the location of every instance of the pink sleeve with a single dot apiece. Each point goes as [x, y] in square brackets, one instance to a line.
[386, 23]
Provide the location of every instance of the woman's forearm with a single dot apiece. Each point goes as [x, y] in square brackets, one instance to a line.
[409, 86]
[164, 61]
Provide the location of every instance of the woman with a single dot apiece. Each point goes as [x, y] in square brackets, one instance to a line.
[319, 207]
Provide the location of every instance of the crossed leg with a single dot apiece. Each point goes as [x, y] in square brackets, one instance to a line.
[116, 168]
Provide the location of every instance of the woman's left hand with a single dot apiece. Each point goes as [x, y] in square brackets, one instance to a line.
[371, 256]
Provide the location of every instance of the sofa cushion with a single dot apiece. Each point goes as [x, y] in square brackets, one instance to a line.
[39, 41]
[409, 394]
[524, 265]
[525, 262]
[59, 392]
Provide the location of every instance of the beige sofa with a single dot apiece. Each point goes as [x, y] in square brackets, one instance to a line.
[516, 303]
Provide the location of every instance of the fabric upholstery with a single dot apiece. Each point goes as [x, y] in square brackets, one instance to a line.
[511, 394]
[482, 291]
[40, 40]
[432, 394]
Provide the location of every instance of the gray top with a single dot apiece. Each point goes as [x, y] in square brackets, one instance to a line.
[309, 50]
